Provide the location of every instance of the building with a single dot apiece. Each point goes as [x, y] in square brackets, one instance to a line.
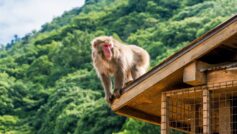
[194, 90]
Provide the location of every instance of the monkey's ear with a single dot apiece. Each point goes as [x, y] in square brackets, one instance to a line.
[94, 43]
[111, 41]
[110, 37]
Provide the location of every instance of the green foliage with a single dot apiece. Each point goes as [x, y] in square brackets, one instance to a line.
[92, 123]
[136, 127]
[48, 84]
[63, 109]
[82, 78]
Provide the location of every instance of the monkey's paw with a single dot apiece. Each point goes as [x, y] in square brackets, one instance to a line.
[117, 93]
[109, 99]
[128, 83]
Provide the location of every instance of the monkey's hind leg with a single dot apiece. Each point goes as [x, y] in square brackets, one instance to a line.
[129, 78]
[137, 72]
[117, 93]
[110, 99]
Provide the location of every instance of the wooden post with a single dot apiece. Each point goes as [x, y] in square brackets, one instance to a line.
[194, 119]
[206, 112]
[164, 115]
[225, 117]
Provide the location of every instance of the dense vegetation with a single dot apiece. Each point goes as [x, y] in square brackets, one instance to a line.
[48, 85]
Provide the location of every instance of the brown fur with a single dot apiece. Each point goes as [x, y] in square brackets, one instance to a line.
[128, 63]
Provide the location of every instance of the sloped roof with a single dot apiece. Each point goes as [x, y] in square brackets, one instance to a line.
[141, 99]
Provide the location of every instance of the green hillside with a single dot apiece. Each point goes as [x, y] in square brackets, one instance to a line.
[48, 84]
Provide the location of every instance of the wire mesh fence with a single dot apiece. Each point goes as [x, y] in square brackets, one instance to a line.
[191, 110]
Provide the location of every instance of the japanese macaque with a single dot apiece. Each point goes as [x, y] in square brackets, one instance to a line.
[112, 58]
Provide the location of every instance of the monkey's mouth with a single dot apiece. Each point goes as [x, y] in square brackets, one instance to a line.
[108, 56]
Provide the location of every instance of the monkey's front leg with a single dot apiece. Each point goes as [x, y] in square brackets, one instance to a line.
[119, 82]
[107, 87]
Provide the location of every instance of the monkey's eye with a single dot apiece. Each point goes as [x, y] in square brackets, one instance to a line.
[94, 45]
[106, 45]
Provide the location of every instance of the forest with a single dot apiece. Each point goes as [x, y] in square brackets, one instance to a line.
[47, 81]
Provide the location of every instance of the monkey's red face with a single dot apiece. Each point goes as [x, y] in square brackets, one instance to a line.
[104, 48]
[107, 50]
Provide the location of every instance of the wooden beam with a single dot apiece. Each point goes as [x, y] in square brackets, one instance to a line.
[140, 115]
[192, 74]
[194, 52]
[221, 76]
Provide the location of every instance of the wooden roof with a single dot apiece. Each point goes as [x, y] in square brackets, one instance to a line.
[142, 98]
